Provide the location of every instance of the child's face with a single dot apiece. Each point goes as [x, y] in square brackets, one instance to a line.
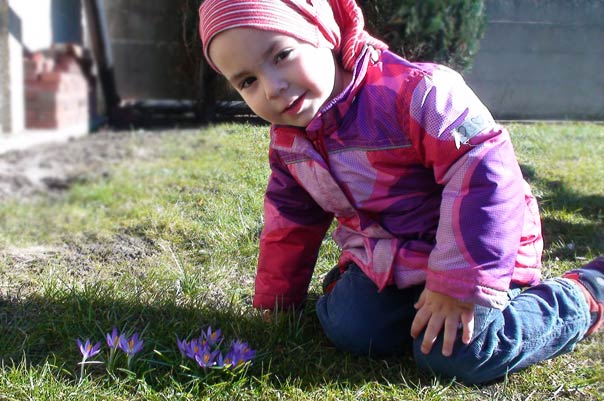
[283, 80]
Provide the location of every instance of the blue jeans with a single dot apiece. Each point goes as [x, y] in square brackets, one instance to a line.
[538, 323]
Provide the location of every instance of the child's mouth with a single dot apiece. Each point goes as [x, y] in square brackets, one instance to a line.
[296, 106]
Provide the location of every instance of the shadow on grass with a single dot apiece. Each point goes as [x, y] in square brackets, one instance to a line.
[38, 328]
[292, 349]
[570, 237]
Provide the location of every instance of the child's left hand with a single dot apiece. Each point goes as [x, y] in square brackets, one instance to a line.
[435, 311]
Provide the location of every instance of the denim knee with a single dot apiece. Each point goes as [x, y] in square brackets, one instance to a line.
[358, 319]
[348, 333]
[464, 365]
[493, 348]
[539, 323]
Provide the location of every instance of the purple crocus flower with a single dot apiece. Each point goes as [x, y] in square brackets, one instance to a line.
[87, 349]
[243, 349]
[219, 362]
[194, 347]
[213, 338]
[132, 345]
[206, 351]
[239, 354]
[183, 347]
[231, 359]
[205, 357]
[113, 339]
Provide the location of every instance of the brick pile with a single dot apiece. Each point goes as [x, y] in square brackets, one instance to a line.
[56, 90]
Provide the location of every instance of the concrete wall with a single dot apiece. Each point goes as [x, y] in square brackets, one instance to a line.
[542, 59]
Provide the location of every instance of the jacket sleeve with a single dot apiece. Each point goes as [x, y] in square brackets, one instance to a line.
[294, 228]
[483, 194]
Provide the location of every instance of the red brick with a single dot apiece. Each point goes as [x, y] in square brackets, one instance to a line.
[57, 98]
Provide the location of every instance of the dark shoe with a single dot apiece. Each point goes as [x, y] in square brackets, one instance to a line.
[330, 279]
[591, 280]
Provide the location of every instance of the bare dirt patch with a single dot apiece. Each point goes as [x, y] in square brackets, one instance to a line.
[81, 260]
[50, 169]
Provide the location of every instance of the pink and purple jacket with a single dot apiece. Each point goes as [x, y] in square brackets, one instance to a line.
[424, 185]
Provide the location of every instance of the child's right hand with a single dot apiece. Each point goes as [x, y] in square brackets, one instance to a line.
[268, 315]
[437, 312]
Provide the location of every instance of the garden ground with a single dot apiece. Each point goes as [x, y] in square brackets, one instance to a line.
[156, 232]
[49, 170]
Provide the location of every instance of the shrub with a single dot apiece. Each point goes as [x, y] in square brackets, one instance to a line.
[443, 31]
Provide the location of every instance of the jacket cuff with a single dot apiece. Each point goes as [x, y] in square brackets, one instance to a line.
[465, 291]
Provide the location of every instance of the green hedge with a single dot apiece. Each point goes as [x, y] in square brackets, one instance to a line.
[443, 31]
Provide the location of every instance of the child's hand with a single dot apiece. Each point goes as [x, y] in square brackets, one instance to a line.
[273, 316]
[268, 315]
[435, 311]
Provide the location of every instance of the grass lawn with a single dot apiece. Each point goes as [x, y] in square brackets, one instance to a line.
[166, 246]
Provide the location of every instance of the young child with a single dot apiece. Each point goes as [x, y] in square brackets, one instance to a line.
[440, 235]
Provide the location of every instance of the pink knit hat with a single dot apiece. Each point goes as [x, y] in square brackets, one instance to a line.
[337, 24]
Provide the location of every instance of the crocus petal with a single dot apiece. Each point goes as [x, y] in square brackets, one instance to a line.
[131, 345]
[81, 346]
[87, 349]
[212, 337]
[183, 347]
[123, 343]
[206, 359]
[95, 349]
[137, 347]
[113, 339]
[219, 363]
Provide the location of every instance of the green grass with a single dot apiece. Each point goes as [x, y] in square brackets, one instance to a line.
[169, 245]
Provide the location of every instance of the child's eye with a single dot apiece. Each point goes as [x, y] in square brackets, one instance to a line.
[246, 83]
[282, 55]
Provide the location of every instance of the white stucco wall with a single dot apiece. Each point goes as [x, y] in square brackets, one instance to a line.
[17, 91]
[36, 24]
[29, 24]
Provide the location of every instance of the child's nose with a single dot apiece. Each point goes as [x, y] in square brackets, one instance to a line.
[274, 86]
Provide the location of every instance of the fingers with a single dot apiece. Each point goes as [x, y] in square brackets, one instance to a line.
[438, 312]
[451, 327]
[421, 317]
[421, 301]
[435, 325]
[467, 324]
[268, 316]
[419, 322]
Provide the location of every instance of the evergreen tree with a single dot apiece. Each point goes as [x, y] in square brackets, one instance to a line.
[443, 31]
